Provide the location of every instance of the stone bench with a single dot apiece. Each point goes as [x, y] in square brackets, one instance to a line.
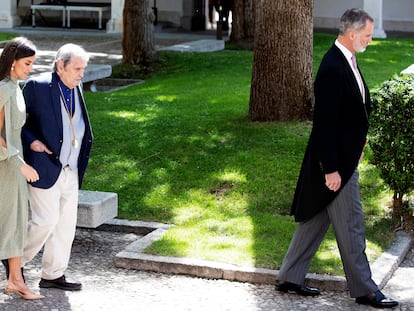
[88, 7]
[95, 208]
[95, 72]
[46, 7]
[197, 46]
[66, 9]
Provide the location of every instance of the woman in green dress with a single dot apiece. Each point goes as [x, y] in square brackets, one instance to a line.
[16, 62]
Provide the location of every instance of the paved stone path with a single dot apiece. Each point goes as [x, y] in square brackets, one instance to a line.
[103, 48]
[106, 287]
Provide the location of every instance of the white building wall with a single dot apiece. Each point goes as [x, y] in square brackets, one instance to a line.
[398, 15]
[329, 8]
[115, 23]
[170, 11]
[8, 16]
[326, 13]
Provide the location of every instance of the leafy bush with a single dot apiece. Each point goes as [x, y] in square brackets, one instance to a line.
[392, 136]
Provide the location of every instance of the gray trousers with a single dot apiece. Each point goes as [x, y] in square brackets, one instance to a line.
[347, 219]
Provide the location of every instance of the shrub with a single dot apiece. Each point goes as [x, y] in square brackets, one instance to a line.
[392, 137]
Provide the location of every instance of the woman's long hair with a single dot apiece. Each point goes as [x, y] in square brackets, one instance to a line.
[15, 49]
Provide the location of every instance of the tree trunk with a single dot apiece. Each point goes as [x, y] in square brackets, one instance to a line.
[138, 46]
[242, 26]
[397, 206]
[282, 83]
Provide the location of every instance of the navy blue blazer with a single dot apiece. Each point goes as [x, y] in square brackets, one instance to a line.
[44, 123]
[340, 126]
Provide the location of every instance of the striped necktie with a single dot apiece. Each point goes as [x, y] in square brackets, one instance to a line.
[358, 77]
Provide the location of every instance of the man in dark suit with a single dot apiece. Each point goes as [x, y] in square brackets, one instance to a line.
[57, 140]
[327, 190]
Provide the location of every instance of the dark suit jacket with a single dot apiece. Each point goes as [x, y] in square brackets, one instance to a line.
[44, 122]
[338, 136]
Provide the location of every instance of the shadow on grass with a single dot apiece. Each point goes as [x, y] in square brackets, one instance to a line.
[179, 149]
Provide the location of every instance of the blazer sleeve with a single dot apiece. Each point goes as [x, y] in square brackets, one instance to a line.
[10, 152]
[338, 111]
[27, 135]
[328, 93]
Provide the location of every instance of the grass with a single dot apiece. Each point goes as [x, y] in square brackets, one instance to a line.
[6, 36]
[382, 58]
[179, 149]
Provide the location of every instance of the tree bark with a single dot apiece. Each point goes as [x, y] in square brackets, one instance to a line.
[282, 83]
[138, 45]
[243, 20]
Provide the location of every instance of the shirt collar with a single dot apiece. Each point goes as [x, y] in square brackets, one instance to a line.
[66, 92]
[347, 53]
[63, 85]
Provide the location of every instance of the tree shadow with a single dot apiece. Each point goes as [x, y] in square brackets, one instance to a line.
[181, 150]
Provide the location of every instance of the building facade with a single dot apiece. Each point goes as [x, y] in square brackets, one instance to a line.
[395, 15]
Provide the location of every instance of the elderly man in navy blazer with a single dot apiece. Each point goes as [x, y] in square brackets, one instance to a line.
[57, 140]
[327, 190]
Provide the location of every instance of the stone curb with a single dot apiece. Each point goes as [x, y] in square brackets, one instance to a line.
[384, 267]
[132, 257]
[197, 46]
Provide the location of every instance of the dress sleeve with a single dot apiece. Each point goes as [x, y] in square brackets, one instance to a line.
[11, 151]
[3, 150]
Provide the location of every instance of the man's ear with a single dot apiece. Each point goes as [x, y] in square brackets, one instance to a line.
[352, 35]
[59, 65]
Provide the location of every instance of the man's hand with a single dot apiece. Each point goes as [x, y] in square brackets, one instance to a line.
[333, 181]
[38, 146]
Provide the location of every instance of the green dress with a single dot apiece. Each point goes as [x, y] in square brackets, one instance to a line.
[13, 187]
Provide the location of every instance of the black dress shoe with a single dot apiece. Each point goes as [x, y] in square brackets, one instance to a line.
[6, 267]
[377, 300]
[299, 289]
[60, 283]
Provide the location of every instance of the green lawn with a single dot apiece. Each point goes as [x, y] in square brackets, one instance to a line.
[6, 36]
[179, 149]
[382, 58]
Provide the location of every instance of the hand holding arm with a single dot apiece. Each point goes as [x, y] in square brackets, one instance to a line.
[38, 146]
[29, 173]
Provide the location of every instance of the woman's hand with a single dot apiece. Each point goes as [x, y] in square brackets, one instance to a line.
[29, 173]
